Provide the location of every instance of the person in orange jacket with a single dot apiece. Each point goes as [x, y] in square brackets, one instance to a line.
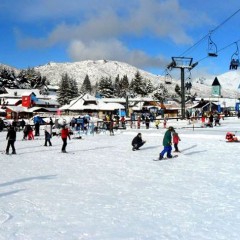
[65, 134]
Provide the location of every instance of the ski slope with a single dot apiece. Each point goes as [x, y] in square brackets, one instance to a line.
[102, 190]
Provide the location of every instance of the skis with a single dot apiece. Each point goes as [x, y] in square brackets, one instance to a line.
[166, 158]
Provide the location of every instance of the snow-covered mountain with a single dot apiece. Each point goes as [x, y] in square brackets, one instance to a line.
[104, 68]
[95, 70]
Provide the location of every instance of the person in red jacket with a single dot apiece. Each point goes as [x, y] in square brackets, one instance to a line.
[65, 134]
[176, 140]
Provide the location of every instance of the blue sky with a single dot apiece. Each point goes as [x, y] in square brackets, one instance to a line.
[143, 33]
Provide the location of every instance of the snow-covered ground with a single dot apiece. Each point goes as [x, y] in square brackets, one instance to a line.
[102, 190]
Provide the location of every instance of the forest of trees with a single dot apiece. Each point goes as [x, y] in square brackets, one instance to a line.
[25, 79]
[106, 87]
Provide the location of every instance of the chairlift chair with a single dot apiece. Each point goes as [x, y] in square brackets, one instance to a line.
[212, 48]
[168, 78]
[235, 59]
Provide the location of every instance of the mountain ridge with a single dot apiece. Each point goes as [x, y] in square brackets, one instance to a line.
[53, 71]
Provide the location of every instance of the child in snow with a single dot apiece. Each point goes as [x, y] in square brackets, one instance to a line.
[231, 137]
[176, 140]
[65, 134]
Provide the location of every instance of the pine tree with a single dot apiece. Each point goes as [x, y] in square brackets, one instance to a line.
[117, 88]
[86, 86]
[149, 87]
[105, 87]
[138, 84]
[160, 93]
[73, 88]
[124, 86]
[67, 90]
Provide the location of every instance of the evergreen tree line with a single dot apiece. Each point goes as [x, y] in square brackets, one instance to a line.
[108, 88]
[25, 79]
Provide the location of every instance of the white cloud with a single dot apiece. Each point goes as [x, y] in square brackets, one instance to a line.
[112, 50]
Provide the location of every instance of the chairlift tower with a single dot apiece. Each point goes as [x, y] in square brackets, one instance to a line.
[182, 63]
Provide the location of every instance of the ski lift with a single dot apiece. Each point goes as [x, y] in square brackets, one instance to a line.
[188, 84]
[235, 59]
[212, 47]
[189, 78]
[168, 78]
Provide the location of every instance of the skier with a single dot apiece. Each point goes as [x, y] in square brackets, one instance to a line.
[137, 142]
[176, 140]
[48, 134]
[65, 134]
[167, 143]
[11, 137]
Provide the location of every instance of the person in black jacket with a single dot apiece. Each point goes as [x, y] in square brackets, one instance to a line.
[137, 142]
[11, 137]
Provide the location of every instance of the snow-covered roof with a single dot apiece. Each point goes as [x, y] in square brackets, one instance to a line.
[88, 102]
[12, 101]
[21, 92]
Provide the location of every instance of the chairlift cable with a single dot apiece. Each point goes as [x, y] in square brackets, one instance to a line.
[219, 50]
[207, 35]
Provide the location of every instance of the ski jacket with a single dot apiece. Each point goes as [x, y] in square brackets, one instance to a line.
[137, 140]
[65, 133]
[176, 138]
[11, 135]
[167, 139]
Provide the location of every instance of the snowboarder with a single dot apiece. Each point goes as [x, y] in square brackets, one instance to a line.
[65, 134]
[137, 142]
[167, 143]
[11, 137]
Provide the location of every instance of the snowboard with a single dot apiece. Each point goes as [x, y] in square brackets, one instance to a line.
[166, 158]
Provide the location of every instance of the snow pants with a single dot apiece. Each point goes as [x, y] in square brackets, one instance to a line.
[167, 149]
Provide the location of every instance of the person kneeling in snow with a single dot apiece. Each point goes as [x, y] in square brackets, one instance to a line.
[137, 142]
[231, 137]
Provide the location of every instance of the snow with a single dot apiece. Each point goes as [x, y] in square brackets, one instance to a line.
[103, 190]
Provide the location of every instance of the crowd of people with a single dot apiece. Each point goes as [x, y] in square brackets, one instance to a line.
[171, 137]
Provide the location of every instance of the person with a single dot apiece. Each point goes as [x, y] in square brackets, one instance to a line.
[123, 121]
[11, 137]
[22, 123]
[65, 134]
[147, 122]
[37, 127]
[167, 143]
[231, 137]
[48, 134]
[1, 124]
[157, 122]
[217, 119]
[30, 132]
[176, 140]
[137, 142]
[164, 122]
[111, 127]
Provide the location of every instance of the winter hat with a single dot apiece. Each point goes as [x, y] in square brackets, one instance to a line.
[171, 128]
